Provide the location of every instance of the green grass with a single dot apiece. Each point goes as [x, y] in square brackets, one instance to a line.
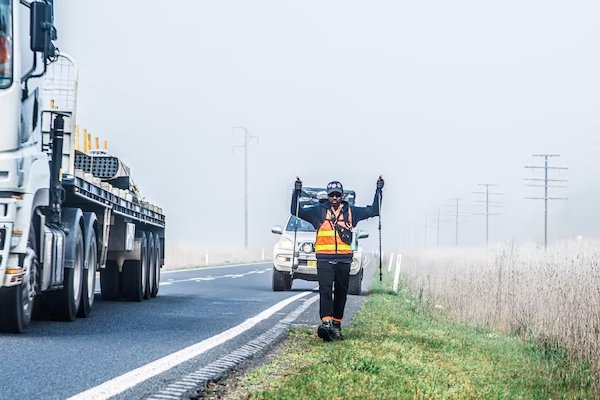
[401, 348]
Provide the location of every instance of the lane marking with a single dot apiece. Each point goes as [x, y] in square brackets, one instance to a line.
[217, 369]
[200, 279]
[215, 267]
[211, 278]
[130, 379]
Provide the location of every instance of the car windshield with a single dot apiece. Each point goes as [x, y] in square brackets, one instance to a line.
[6, 44]
[303, 226]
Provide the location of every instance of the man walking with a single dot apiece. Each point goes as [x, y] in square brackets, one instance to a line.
[334, 219]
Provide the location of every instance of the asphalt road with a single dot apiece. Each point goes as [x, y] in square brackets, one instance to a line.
[57, 360]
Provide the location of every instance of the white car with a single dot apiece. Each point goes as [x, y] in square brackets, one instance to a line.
[306, 257]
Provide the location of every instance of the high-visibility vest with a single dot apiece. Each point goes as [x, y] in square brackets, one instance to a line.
[328, 240]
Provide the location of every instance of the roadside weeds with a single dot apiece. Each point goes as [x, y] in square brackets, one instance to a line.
[403, 347]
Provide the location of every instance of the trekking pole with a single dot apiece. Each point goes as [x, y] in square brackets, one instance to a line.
[380, 255]
[295, 230]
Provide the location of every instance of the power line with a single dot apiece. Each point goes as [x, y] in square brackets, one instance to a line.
[456, 214]
[545, 167]
[146, 111]
[249, 138]
[487, 205]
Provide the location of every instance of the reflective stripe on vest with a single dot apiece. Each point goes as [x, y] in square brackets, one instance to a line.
[330, 248]
[328, 240]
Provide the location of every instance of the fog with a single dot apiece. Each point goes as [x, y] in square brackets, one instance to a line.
[436, 96]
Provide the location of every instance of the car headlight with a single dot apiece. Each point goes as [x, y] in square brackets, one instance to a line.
[285, 243]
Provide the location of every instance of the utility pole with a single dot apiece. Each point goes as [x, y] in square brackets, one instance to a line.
[545, 167]
[487, 206]
[249, 138]
[456, 214]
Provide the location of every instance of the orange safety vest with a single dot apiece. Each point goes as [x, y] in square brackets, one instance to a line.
[328, 240]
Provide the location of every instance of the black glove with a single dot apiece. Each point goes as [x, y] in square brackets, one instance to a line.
[380, 183]
[298, 185]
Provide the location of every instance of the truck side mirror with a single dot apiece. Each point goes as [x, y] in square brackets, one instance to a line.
[42, 28]
[277, 230]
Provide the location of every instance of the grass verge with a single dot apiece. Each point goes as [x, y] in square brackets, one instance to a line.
[402, 348]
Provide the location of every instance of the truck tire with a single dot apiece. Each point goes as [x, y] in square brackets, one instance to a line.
[157, 258]
[279, 280]
[149, 267]
[354, 286]
[110, 280]
[134, 274]
[17, 302]
[88, 285]
[64, 303]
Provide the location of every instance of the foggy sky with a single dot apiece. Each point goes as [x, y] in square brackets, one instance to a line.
[437, 96]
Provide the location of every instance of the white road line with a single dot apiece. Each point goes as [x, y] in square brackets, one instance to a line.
[126, 381]
[163, 271]
[210, 278]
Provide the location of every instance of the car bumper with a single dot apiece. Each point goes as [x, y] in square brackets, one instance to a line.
[282, 261]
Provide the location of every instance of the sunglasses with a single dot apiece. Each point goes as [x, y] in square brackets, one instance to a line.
[334, 194]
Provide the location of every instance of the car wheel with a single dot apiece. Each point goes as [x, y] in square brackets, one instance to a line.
[279, 280]
[288, 281]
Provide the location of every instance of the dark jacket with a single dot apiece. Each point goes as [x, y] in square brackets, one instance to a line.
[317, 214]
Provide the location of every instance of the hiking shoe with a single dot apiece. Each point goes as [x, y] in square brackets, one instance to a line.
[336, 328]
[325, 331]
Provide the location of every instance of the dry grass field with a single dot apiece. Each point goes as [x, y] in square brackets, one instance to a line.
[550, 297]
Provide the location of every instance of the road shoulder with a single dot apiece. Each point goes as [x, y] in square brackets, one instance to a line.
[233, 385]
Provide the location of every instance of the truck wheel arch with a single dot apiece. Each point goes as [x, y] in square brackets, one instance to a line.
[71, 218]
[88, 224]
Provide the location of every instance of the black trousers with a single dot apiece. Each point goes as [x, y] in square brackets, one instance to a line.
[328, 273]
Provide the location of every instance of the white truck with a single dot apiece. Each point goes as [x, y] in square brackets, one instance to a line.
[66, 213]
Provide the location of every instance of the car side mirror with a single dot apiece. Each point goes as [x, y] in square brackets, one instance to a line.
[42, 29]
[277, 230]
[363, 235]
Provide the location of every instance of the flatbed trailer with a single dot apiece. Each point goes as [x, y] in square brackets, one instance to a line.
[67, 212]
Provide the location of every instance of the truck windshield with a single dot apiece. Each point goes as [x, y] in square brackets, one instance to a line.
[303, 226]
[6, 43]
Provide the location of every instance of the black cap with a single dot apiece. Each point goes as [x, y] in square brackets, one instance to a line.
[335, 186]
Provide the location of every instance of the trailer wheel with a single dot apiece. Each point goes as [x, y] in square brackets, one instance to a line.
[279, 282]
[354, 285]
[17, 302]
[149, 267]
[65, 302]
[89, 277]
[109, 281]
[156, 266]
[134, 274]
